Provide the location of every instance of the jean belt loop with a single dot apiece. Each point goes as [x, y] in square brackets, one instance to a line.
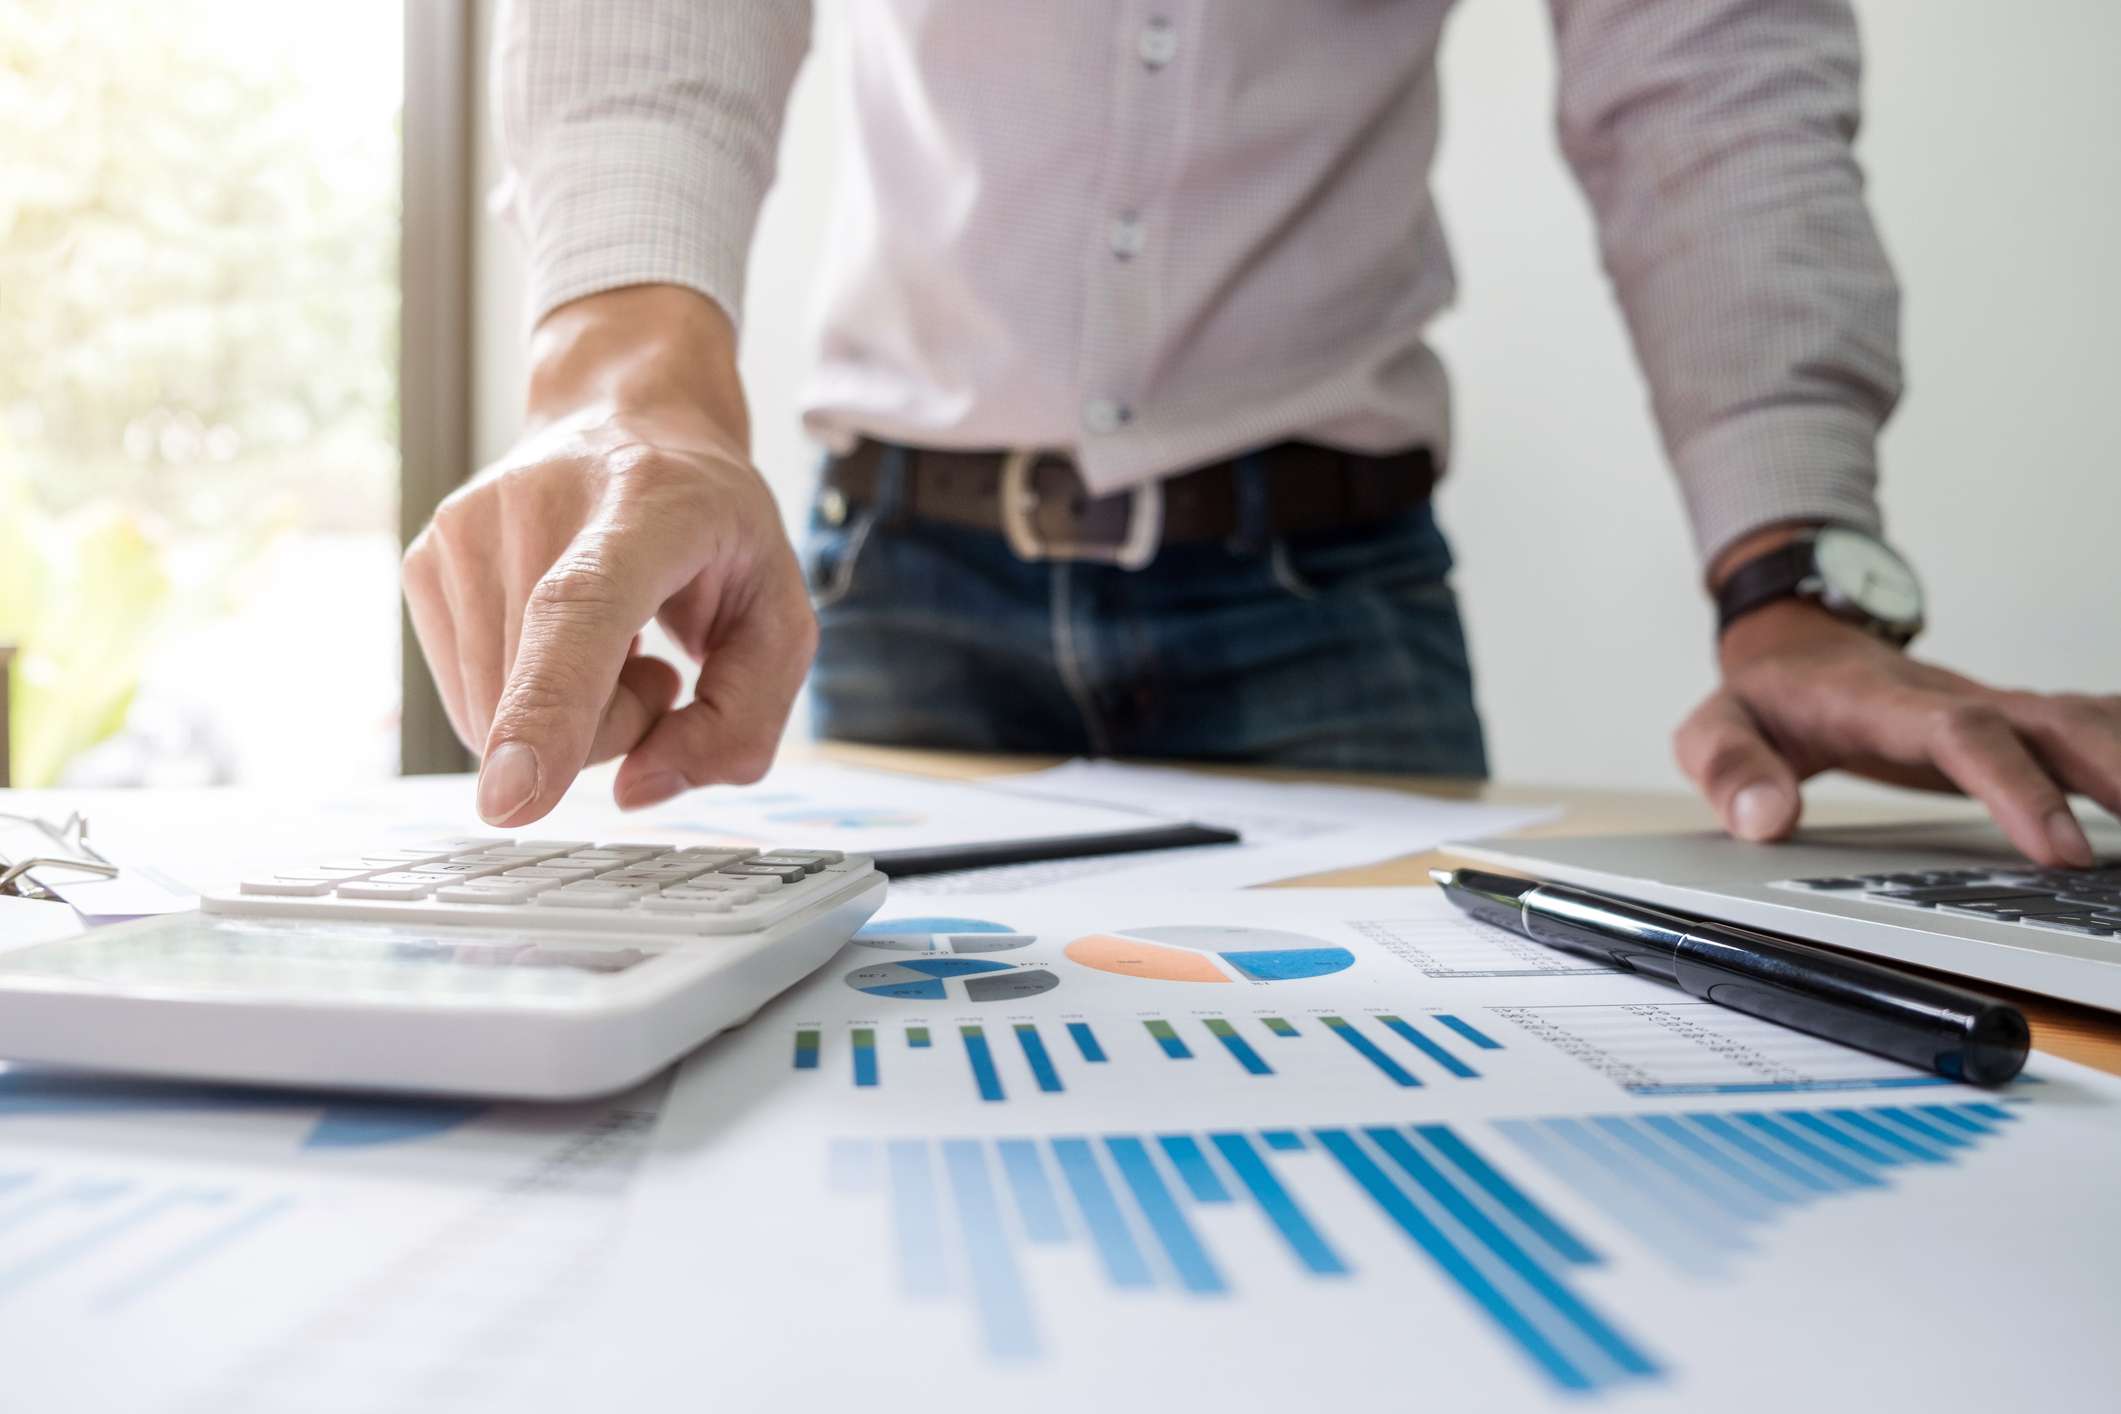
[893, 470]
[1253, 531]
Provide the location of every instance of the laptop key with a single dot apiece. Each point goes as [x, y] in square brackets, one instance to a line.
[1831, 883]
[2078, 923]
[1953, 893]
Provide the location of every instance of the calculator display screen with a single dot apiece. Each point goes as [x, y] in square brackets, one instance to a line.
[201, 953]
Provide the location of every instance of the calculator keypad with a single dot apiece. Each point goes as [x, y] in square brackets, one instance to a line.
[565, 884]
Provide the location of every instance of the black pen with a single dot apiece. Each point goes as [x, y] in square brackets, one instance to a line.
[1910, 1019]
[987, 854]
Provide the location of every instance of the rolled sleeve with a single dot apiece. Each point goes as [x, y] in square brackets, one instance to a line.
[638, 138]
[1714, 139]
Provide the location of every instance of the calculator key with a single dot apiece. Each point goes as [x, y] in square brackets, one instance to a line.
[695, 903]
[407, 856]
[786, 873]
[657, 872]
[822, 856]
[409, 876]
[291, 888]
[378, 888]
[465, 868]
[554, 873]
[781, 861]
[611, 886]
[488, 891]
[601, 856]
[639, 851]
[715, 888]
[705, 854]
[561, 898]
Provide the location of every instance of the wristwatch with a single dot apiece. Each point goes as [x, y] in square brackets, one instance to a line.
[1853, 576]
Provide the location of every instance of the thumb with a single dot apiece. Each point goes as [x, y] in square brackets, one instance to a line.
[578, 628]
[1723, 751]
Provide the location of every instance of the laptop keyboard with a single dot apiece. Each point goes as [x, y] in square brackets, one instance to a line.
[2082, 901]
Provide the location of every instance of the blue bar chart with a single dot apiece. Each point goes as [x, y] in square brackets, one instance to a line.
[1698, 1048]
[1400, 1050]
[119, 1238]
[965, 1212]
[1700, 1188]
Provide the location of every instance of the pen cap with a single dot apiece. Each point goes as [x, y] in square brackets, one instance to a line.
[1910, 1018]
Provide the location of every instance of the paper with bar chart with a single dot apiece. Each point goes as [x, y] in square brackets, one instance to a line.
[1304, 1148]
[257, 1251]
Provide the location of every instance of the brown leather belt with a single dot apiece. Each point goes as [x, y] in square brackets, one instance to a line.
[1038, 502]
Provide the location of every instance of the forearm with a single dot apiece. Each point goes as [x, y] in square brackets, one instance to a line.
[1714, 141]
[656, 352]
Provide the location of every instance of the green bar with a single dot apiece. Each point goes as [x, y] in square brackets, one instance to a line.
[917, 1036]
[1161, 1030]
[863, 1037]
[1221, 1027]
[806, 1049]
[1279, 1026]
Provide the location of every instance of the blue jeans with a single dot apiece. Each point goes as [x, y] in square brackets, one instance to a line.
[1331, 651]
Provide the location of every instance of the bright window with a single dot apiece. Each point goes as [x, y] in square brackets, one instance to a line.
[198, 388]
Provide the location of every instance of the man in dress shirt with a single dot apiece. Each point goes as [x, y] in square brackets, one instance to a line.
[1132, 420]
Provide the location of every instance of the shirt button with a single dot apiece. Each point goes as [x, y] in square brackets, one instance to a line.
[1158, 44]
[1103, 416]
[1127, 236]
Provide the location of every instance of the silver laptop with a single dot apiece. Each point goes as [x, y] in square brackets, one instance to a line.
[1952, 895]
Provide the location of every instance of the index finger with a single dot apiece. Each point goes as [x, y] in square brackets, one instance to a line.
[1974, 745]
[578, 625]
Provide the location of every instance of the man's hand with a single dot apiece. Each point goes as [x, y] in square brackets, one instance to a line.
[1804, 692]
[630, 498]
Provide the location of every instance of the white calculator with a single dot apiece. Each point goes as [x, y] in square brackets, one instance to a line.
[545, 969]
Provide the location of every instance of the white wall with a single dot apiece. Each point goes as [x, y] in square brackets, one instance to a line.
[1990, 144]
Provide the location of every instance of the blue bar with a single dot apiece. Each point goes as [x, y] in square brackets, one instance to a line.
[1399, 1027]
[1633, 1206]
[1196, 1273]
[1734, 1200]
[1737, 1170]
[1564, 1243]
[1368, 1048]
[1950, 1115]
[1528, 1268]
[1240, 1048]
[1304, 1240]
[1193, 1167]
[1470, 1032]
[79, 1245]
[917, 1224]
[1401, 1210]
[1943, 1138]
[1835, 1134]
[1679, 1204]
[1886, 1134]
[984, 1074]
[1286, 1140]
[198, 1249]
[1989, 1111]
[997, 1287]
[1760, 1153]
[1122, 1260]
[1086, 1041]
[1791, 1087]
[851, 1166]
[1851, 1176]
[1035, 1053]
[1036, 1203]
[863, 1043]
[1174, 1046]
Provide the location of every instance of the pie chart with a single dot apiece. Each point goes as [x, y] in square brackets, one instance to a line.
[1191, 953]
[934, 935]
[937, 979]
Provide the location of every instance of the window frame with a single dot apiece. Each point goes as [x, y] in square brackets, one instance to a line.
[435, 347]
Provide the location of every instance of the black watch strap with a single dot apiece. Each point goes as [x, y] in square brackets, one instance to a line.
[1771, 575]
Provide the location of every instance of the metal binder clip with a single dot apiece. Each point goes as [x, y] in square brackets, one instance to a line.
[70, 839]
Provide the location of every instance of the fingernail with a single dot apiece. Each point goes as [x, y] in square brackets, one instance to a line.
[2069, 840]
[507, 781]
[1757, 811]
[651, 790]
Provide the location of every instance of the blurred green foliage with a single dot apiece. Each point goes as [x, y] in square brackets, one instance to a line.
[198, 323]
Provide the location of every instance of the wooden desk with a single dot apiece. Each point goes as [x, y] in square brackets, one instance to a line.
[2079, 1033]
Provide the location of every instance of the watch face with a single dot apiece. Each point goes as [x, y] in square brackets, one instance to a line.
[1865, 573]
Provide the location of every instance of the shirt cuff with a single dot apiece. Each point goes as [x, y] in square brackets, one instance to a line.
[636, 204]
[1794, 462]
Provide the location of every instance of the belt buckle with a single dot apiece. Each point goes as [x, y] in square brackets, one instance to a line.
[1019, 503]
